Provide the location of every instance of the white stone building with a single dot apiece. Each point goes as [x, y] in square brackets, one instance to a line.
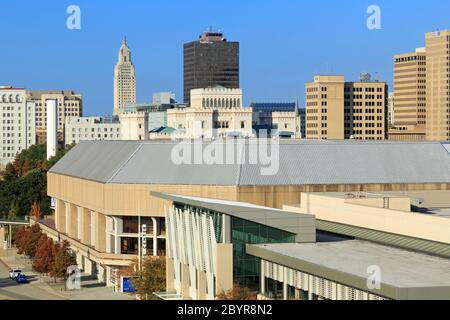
[90, 129]
[17, 123]
[213, 112]
[134, 125]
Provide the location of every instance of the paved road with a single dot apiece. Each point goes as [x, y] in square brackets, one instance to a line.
[10, 290]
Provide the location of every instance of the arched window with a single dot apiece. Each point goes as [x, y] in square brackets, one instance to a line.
[223, 102]
[11, 98]
[18, 98]
[215, 102]
[238, 103]
[4, 98]
[227, 103]
[203, 103]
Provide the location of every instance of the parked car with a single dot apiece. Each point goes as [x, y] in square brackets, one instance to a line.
[14, 273]
[21, 278]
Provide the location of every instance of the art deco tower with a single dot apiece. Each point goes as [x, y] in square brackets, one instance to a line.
[124, 80]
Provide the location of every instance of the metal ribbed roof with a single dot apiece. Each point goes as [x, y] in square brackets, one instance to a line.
[300, 163]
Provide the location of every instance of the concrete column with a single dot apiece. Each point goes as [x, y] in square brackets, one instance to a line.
[93, 227]
[72, 229]
[201, 284]
[224, 275]
[2, 239]
[67, 218]
[185, 281]
[263, 277]
[170, 275]
[85, 226]
[226, 229]
[285, 286]
[60, 216]
[117, 230]
[310, 288]
[79, 226]
[155, 236]
[100, 241]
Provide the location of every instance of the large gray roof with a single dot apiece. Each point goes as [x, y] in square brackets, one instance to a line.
[300, 163]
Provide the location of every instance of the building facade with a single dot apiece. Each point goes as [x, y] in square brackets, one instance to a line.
[134, 125]
[124, 80]
[91, 129]
[437, 85]
[410, 95]
[18, 123]
[103, 188]
[211, 60]
[214, 112]
[70, 104]
[336, 109]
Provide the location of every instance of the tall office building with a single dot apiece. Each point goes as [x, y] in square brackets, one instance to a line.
[210, 61]
[336, 109]
[69, 104]
[410, 94]
[17, 118]
[325, 108]
[124, 80]
[438, 85]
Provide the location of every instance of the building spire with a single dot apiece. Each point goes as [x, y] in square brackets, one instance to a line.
[124, 41]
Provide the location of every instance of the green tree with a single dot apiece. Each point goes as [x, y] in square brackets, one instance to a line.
[14, 210]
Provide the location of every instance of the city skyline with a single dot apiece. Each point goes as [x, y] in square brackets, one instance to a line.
[276, 73]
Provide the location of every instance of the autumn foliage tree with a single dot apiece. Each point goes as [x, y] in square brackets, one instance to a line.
[237, 293]
[151, 278]
[44, 259]
[35, 211]
[63, 258]
[27, 240]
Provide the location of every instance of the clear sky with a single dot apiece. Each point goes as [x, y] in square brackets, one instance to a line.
[283, 42]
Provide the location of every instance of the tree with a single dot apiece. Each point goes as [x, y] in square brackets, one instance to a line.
[14, 210]
[44, 260]
[20, 238]
[63, 258]
[237, 293]
[151, 278]
[35, 211]
[31, 242]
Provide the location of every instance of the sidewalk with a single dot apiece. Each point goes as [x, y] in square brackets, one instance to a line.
[91, 289]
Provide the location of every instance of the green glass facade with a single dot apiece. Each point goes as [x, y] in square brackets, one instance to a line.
[246, 268]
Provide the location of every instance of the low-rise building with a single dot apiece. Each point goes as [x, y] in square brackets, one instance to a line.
[91, 129]
[102, 189]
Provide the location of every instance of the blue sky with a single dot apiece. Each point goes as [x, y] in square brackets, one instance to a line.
[283, 42]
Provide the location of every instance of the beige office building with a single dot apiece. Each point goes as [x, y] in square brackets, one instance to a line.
[70, 104]
[336, 109]
[410, 93]
[124, 80]
[438, 85]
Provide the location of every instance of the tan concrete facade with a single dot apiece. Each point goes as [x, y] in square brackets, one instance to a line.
[391, 214]
[438, 89]
[69, 103]
[336, 109]
[325, 108]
